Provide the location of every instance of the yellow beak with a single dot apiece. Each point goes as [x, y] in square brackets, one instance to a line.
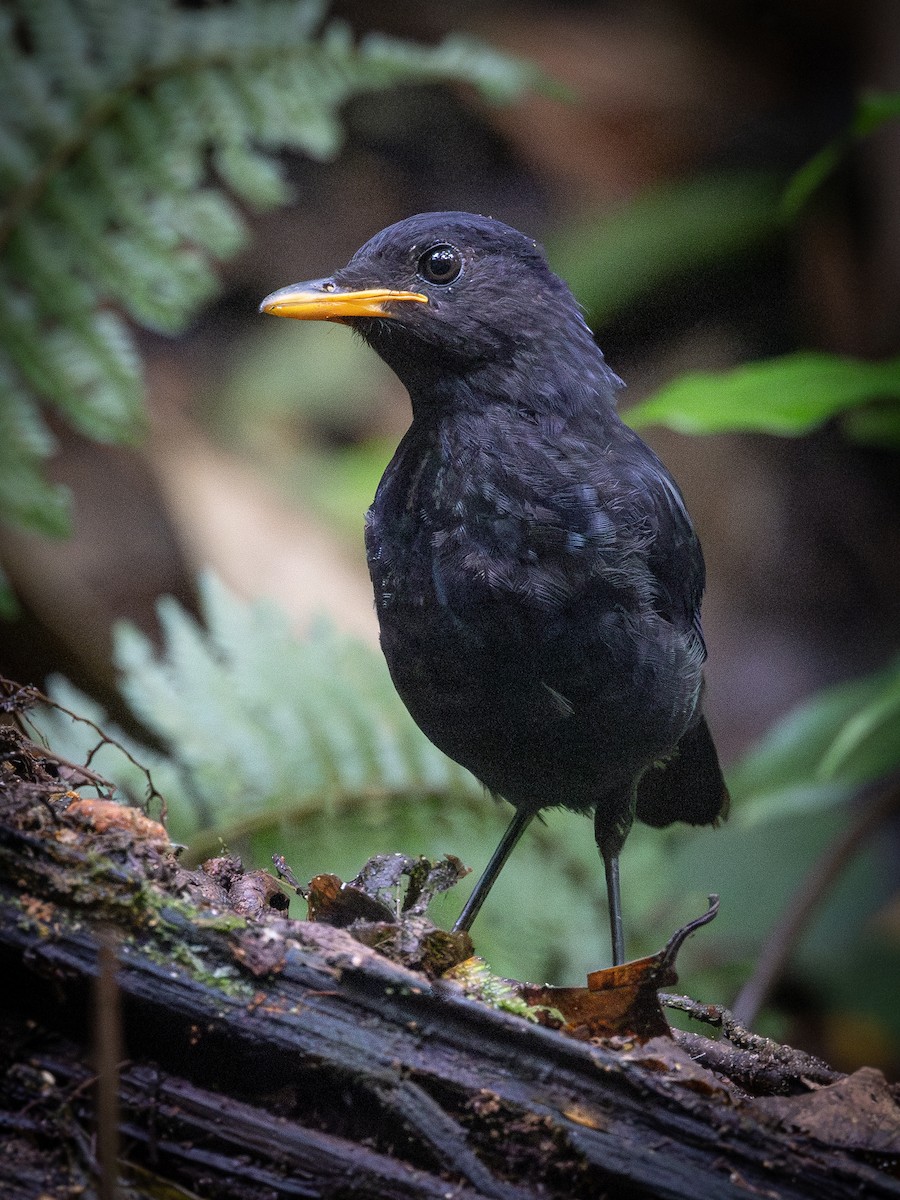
[324, 301]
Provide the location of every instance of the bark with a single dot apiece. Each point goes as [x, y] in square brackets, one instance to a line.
[267, 1057]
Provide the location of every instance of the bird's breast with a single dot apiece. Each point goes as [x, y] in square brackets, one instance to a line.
[517, 618]
[501, 531]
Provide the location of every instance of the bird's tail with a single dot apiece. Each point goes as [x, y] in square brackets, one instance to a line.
[688, 786]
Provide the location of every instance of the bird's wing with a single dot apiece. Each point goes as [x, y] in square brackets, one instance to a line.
[674, 554]
[611, 521]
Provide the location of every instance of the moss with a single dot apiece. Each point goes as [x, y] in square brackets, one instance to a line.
[479, 983]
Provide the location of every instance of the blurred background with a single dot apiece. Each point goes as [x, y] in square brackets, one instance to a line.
[651, 153]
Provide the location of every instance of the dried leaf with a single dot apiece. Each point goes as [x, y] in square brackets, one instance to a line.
[334, 902]
[857, 1113]
[374, 908]
[375, 894]
[621, 1001]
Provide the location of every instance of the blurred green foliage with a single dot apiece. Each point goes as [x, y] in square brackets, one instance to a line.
[789, 396]
[675, 229]
[302, 746]
[128, 133]
[260, 727]
[262, 412]
[873, 110]
[823, 751]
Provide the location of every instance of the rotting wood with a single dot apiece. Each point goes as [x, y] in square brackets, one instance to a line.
[291, 1057]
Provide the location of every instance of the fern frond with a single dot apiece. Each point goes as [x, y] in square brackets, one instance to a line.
[255, 177]
[258, 717]
[97, 357]
[24, 442]
[110, 116]
[258, 725]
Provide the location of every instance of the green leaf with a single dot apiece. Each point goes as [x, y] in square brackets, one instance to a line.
[788, 396]
[499, 76]
[823, 751]
[26, 497]
[872, 111]
[867, 745]
[874, 425]
[257, 718]
[256, 178]
[810, 177]
[103, 398]
[611, 261]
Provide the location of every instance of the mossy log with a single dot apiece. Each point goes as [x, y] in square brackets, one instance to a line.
[265, 1057]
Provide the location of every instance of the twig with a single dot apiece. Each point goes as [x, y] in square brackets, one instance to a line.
[764, 1049]
[789, 928]
[85, 773]
[752, 1072]
[16, 698]
[284, 872]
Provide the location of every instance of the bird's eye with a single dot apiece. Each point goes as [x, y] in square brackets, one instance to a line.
[440, 264]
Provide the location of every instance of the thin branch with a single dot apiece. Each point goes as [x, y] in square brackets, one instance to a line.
[790, 927]
[16, 698]
[720, 1017]
[754, 1071]
[84, 772]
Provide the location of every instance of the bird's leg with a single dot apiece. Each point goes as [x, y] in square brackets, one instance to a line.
[610, 839]
[614, 899]
[521, 820]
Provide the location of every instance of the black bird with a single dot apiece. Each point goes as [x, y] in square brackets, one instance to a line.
[537, 577]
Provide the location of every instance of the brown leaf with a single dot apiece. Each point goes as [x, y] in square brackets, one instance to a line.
[856, 1113]
[378, 913]
[388, 887]
[629, 1008]
[620, 1001]
[337, 903]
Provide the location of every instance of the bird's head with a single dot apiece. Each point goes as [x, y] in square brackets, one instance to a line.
[451, 296]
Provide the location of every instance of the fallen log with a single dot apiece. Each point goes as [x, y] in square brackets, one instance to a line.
[268, 1057]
